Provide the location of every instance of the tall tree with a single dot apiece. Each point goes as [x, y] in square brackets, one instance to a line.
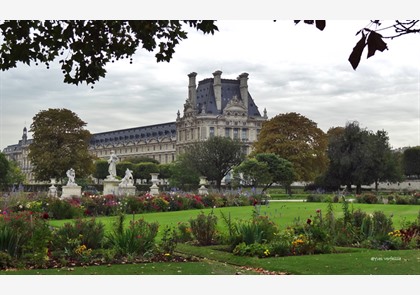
[411, 161]
[101, 169]
[266, 169]
[60, 142]
[85, 47]
[214, 158]
[4, 170]
[183, 176]
[297, 139]
[360, 157]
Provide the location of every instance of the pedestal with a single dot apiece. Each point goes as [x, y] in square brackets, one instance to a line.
[52, 192]
[111, 186]
[203, 190]
[71, 190]
[154, 189]
[124, 191]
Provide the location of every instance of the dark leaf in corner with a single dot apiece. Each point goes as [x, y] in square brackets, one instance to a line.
[356, 54]
[374, 43]
[320, 24]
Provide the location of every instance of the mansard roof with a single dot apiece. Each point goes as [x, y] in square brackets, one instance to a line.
[157, 132]
[230, 89]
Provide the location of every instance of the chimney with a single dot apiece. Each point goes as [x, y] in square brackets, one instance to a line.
[243, 86]
[217, 88]
[192, 90]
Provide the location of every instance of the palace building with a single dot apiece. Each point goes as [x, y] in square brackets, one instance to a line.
[214, 107]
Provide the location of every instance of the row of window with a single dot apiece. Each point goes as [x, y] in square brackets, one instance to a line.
[137, 136]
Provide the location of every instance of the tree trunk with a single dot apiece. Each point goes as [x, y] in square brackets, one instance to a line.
[358, 189]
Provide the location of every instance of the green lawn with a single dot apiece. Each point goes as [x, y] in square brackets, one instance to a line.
[283, 213]
[215, 261]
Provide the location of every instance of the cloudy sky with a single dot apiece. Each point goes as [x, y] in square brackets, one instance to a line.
[292, 68]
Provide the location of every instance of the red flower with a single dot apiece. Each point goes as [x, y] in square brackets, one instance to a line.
[318, 211]
[308, 221]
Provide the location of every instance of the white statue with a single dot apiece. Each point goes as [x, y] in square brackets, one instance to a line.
[71, 174]
[112, 169]
[128, 178]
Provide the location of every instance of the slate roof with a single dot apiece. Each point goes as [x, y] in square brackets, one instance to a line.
[230, 88]
[135, 134]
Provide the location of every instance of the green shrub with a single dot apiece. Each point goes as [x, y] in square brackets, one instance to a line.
[255, 249]
[80, 232]
[136, 240]
[204, 228]
[6, 260]
[64, 209]
[313, 198]
[184, 233]
[25, 235]
[367, 198]
[169, 241]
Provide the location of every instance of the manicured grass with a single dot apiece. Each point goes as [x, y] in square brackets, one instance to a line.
[159, 268]
[284, 214]
[215, 261]
[351, 262]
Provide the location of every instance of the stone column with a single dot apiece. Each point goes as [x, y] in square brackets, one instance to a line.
[243, 86]
[192, 90]
[217, 88]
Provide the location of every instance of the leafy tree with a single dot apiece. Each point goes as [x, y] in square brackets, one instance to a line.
[411, 161]
[371, 38]
[15, 175]
[164, 171]
[4, 170]
[182, 175]
[85, 47]
[386, 164]
[254, 173]
[60, 142]
[214, 158]
[297, 139]
[143, 170]
[101, 169]
[142, 159]
[122, 167]
[266, 169]
[360, 157]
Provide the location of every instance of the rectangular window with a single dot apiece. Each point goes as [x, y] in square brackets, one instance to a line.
[227, 132]
[235, 133]
[244, 134]
[211, 131]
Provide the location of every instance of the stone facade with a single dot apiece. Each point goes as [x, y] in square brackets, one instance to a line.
[19, 153]
[216, 107]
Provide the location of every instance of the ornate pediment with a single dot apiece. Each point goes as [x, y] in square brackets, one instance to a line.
[235, 107]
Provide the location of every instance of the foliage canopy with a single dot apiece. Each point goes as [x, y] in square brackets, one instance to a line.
[60, 142]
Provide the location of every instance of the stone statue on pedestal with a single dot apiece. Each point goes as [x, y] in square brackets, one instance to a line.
[128, 179]
[71, 174]
[112, 169]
